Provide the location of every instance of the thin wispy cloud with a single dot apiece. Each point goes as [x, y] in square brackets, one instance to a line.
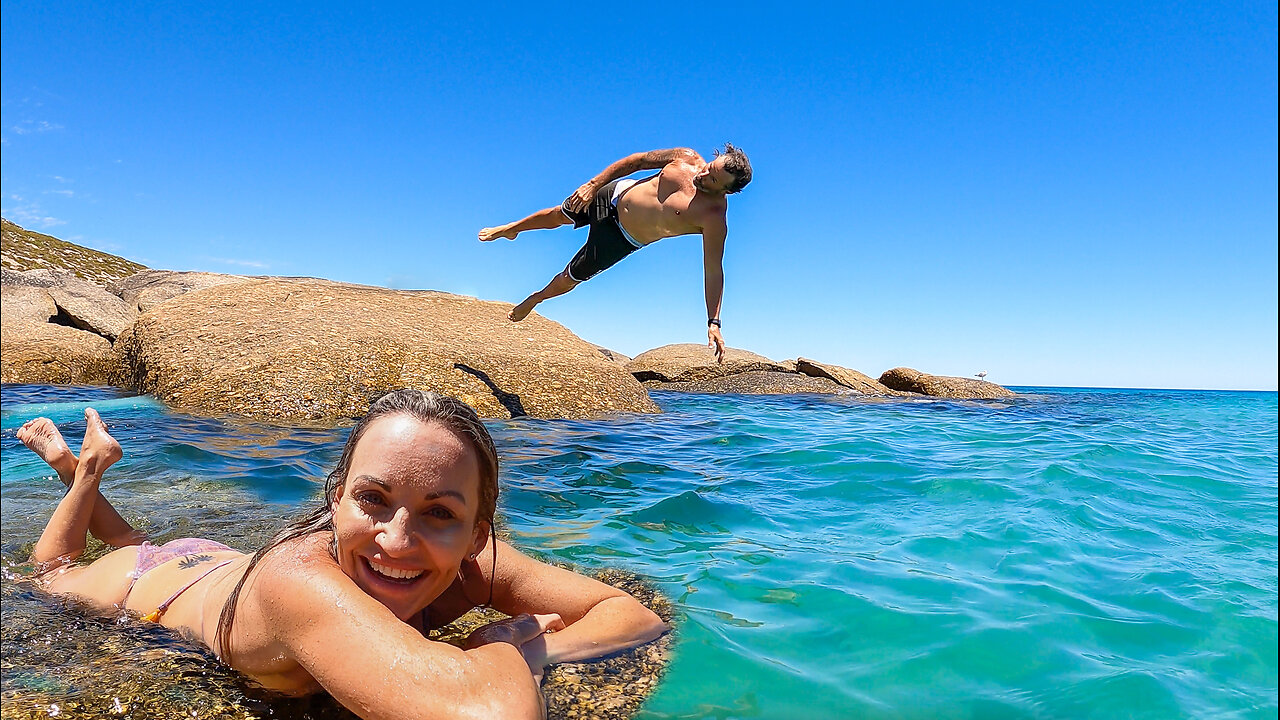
[28, 214]
[27, 127]
[241, 263]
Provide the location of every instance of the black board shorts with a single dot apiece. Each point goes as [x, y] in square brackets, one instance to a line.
[606, 244]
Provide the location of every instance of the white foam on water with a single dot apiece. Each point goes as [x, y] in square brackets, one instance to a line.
[62, 412]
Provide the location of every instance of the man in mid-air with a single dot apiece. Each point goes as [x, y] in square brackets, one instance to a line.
[685, 196]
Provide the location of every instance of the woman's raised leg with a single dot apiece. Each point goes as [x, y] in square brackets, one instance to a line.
[43, 438]
[64, 539]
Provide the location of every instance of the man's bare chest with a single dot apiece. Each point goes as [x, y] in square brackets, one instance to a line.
[675, 210]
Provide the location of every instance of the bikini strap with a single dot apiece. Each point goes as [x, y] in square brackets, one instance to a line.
[155, 615]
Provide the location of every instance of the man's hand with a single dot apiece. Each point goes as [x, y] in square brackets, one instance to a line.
[583, 196]
[714, 340]
[525, 631]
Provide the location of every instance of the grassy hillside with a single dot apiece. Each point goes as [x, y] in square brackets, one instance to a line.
[22, 249]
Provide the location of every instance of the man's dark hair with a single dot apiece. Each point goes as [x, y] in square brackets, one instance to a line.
[736, 162]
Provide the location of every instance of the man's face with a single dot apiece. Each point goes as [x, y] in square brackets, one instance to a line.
[713, 178]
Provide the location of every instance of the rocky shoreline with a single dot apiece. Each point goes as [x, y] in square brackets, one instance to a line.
[313, 350]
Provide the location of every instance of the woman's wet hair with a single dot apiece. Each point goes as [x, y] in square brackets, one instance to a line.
[428, 407]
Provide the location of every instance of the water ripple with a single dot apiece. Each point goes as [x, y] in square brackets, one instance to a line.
[1084, 553]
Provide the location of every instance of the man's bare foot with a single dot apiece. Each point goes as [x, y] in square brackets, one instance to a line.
[99, 450]
[493, 233]
[521, 311]
[43, 438]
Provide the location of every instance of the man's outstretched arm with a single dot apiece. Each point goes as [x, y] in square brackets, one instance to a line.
[632, 163]
[713, 284]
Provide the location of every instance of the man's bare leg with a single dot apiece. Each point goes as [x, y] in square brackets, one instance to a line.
[41, 436]
[64, 537]
[541, 220]
[559, 285]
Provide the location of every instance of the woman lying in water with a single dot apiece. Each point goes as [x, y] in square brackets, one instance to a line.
[402, 542]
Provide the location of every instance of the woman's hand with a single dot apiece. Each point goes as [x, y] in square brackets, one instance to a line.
[524, 631]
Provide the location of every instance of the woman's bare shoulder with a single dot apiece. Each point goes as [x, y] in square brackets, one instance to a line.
[295, 574]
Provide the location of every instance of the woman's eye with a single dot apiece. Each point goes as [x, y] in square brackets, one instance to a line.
[369, 498]
[440, 513]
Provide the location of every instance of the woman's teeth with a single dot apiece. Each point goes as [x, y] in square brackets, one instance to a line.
[393, 573]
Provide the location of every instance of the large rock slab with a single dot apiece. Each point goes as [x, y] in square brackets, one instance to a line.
[756, 382]
[304, 349]
[146, 289]
[49, 354]
[26, 304]
[849, 378]
[910, 380]
[690, 362]
[83, 304]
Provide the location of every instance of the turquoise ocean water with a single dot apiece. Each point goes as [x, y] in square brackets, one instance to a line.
[1074, 553]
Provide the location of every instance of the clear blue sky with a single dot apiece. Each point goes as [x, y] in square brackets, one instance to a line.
[1058, 194]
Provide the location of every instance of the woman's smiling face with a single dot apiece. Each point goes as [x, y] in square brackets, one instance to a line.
[406, 517]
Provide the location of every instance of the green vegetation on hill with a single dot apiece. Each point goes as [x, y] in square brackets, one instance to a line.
[22, 249]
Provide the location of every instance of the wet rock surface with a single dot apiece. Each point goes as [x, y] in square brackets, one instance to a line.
[910, 380]
[68, 661]
[607, 688]
[315, 350]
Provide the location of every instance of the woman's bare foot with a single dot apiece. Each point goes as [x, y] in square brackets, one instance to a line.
[493, 233]
[99, 450]
[43, 439]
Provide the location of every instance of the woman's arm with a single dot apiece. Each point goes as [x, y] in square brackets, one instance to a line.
[377, 666]
[599, 619]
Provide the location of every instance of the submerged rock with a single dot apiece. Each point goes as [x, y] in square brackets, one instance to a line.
[610, 688]
[62, 659]
[756, 382]
[307, 349]
[689, 362]
[907, 379]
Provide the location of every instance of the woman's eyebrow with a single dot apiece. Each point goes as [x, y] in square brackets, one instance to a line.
[447, 493]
